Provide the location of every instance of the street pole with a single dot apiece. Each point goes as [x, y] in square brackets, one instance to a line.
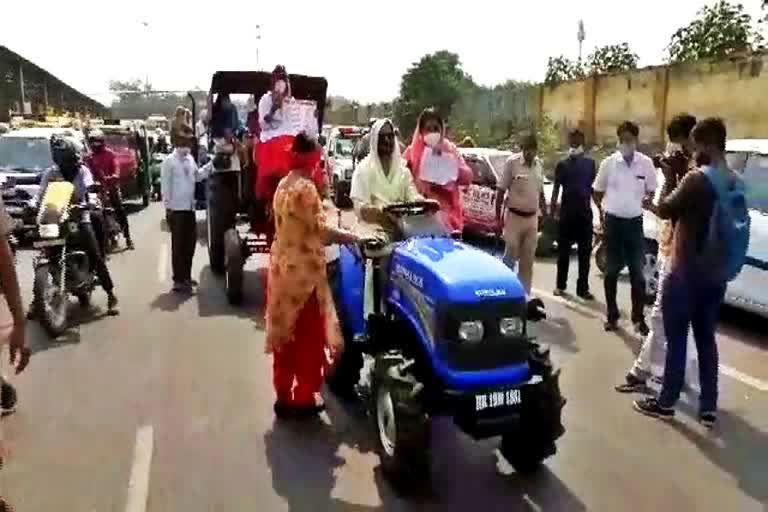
[146, 73]
[258, 44]
[581, 35]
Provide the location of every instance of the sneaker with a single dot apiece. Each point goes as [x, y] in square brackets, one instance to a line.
[708, 419]
[193, 283]
[129, 245]
[182, 288]
[611, 325]
[112, 305]
[308, 411]
[8, 398]
[587, 295]
[559, 292]
[632, 384]
[641, 328]
[650, 407]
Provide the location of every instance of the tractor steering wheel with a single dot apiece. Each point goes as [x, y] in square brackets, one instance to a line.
[412, 209]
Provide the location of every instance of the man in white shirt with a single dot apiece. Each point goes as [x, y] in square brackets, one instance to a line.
[625, 183]
[178, 176]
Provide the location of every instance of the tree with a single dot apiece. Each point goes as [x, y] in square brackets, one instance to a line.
[438, 81]
[611, 58]
[561, 68]
[137, 100]
[717, 32]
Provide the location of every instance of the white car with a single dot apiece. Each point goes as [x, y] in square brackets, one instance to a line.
[749, 291]
[339, 147]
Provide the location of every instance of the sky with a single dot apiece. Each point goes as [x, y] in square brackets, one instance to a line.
[361, 47]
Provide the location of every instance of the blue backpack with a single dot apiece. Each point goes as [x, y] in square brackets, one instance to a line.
[728, 238]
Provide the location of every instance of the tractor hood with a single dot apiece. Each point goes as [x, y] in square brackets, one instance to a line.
[449, 271]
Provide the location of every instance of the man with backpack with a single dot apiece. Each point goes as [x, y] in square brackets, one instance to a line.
[711, 237]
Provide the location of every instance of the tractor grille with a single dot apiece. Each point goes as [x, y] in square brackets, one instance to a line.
[494, 350]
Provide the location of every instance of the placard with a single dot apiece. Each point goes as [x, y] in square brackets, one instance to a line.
[439, 169]
[300, 116]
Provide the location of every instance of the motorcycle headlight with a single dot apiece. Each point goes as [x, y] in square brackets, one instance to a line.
[48, 230]
[511, 327]
[471, 331]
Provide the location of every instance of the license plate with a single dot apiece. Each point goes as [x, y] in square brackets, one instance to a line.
[496, 399]
[47, 243]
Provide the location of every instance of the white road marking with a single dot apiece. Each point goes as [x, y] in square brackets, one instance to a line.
[733, 373]
[138, 486]
[162, 263]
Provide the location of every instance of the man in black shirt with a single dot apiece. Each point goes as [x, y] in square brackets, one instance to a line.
[575, 174]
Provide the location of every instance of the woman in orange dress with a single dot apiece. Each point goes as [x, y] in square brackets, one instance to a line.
[301, 318]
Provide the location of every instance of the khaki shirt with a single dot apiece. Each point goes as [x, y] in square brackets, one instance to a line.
[523, 184]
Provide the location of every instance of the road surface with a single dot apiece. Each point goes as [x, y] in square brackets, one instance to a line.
[168, 407]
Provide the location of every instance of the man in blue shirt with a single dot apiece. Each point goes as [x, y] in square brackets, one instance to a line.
[575, 174]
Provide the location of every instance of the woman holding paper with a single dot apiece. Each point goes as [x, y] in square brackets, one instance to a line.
[438, 168]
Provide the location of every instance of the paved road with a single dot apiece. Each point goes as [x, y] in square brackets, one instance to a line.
[189, 380]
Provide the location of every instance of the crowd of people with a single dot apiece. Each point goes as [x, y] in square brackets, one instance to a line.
[302, 327]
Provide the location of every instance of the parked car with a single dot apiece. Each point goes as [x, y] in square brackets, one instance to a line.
[339, 147]
[25, 155]
[480, 197]
[749, 291]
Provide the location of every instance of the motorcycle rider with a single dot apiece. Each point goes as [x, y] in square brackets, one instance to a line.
[70, 168]
[103, 165]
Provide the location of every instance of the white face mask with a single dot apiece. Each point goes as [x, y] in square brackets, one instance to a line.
[579, 150]
[280, 86]
[432, 139]
[183, 152]
[626, 150]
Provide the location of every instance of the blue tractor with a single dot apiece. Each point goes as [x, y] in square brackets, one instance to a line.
[448, 336]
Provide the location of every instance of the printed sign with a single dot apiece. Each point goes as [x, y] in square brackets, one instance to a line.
[439, 169]
[300, 116]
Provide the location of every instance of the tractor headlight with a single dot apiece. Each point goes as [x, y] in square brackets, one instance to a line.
[48, 230]
[471, 331]
[511, 327]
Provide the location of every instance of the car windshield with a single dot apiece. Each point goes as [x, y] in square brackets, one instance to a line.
[482, 174]
[23, 154]
[756, 181]
[344, 147]
[498, 161]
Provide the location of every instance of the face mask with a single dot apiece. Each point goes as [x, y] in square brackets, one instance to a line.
[579, 150]
[432, 139]
[674, 147]
[627, 149]
[183, 152]
[280, 86]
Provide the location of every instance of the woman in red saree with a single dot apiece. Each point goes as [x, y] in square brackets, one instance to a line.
[429, 140]
[301, 318]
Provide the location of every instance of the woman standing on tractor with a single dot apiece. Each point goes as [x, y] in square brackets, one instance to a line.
[301, 318]
[438, 168]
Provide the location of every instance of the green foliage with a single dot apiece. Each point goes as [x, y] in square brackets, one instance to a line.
[561, 69]
[438, 81]
[717, 32]
[611, 58]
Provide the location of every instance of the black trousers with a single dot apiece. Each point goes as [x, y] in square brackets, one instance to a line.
[625, 246]
[574, 229]
[116, 200]
[94, 251]
[183, 226]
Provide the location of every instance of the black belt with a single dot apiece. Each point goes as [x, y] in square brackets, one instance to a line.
[521, 213]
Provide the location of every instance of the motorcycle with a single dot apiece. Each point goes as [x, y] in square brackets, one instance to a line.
[112, 229]
[61, 268]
